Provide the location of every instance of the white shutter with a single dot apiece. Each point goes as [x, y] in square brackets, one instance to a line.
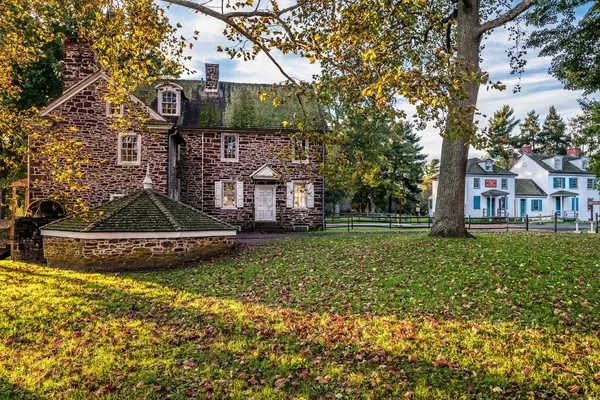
[310, 195]
[240, 195]
[290, 195]
[218, 193]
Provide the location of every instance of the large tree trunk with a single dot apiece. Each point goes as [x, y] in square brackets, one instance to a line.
[450, 204]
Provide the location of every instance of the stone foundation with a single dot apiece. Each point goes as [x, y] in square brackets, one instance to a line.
[129, 254]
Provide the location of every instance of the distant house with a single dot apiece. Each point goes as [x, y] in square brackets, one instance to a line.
[213, 145]
[489, 191]
[556, 183]
[537, 185]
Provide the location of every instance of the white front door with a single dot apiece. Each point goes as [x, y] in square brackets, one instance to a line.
[265, 203]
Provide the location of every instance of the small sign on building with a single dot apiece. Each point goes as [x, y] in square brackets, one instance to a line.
[490, 183]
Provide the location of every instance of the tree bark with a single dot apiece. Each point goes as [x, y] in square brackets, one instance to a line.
[450, 205]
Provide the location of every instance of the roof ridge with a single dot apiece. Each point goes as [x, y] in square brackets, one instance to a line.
[162, 209]
[193, 209]
[103, 217]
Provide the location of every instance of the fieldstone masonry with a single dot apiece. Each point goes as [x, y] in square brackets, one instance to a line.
[86, 112]
[201, 167]
[128, 254]
[28, 241]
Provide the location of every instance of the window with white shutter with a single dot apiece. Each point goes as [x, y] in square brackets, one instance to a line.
[290, 195]
[240, 194]
[310, 195]
[218, 198]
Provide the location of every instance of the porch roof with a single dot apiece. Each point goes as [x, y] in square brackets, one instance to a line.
[564, 193]
[494, 192]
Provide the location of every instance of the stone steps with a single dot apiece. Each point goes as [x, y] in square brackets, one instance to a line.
[270, 227]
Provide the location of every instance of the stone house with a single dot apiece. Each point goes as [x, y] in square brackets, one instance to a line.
[210, 144]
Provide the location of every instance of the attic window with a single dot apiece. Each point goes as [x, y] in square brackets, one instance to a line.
[488, 166]
[558, 163]
[113, 110]
[585, 163]
[169, 99]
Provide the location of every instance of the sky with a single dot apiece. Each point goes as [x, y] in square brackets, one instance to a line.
[539, 90]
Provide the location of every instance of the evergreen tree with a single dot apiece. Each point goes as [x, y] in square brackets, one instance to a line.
[500, 136]
[530, 130]
[553, 135]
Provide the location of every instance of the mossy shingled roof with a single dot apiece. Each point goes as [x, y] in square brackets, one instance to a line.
[234, 105]
[143, 211]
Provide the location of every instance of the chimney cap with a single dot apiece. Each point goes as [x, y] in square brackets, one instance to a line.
[526, 149]
[147, 180]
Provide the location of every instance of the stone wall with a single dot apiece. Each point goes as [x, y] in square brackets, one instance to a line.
[28, 242]
[86, 111]
[201, 167]
[129, 254]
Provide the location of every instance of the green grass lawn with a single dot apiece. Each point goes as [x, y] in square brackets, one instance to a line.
[385, 317]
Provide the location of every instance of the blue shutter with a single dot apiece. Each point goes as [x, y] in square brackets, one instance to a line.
[571, 187]
[555, 182]
[532, 205]
[477, 202]
[576, 203]
[540, 207]
[564, 182]
[573, 203]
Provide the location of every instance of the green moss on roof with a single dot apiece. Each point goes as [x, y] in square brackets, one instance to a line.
[235, 105]
[143, 211]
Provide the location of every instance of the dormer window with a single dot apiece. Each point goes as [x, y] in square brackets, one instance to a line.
[488, 166]
[585, 163]
[558, 163]
[169, 99]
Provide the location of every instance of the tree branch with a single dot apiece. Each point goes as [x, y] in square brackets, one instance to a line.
[227, 19]
[510, 15]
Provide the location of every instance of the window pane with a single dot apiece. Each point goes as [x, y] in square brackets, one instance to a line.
[299, 195]
[169, 103]
[129, 148]
[229, 194]
[300, 149]
[229, 147]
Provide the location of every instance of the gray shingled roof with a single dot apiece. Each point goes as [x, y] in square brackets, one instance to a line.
[564, 193]
[568, 168]
[473, 168]
[495, 192]
[143, 211]
[527, 187]
[234, 105]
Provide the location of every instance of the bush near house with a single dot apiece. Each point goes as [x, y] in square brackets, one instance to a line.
[501, 316]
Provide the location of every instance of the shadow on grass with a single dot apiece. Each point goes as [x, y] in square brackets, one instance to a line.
[9, 391]
[125, 338]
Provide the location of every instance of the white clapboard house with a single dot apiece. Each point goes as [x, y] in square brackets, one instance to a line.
[537, 185]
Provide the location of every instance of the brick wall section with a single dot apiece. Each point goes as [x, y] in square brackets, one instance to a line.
[86, 111]
[128, 254]
[199, 174]
[28, 241]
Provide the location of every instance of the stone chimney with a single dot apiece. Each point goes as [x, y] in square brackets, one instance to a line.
[212, 78]
[574, 151]
[526, 149]
[80, 62]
